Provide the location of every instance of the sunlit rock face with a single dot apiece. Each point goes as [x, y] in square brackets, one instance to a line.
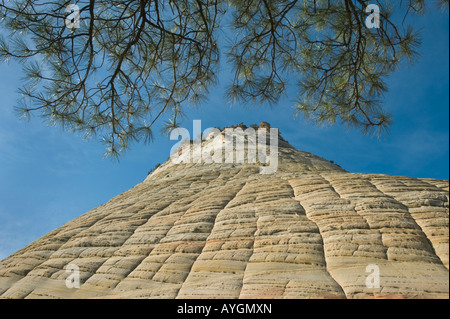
[224, 230]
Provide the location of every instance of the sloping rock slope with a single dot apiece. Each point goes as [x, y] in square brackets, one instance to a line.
[196, 230]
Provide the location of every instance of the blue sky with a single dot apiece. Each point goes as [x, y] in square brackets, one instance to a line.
[48, 177]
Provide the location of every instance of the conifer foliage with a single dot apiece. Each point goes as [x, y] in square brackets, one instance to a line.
[113, 68]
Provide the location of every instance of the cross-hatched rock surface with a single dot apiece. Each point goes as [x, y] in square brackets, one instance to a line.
[219, 230]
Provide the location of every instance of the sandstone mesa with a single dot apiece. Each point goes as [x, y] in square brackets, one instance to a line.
[207, 230]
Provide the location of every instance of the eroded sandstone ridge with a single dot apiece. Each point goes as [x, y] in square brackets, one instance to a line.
[201, 230]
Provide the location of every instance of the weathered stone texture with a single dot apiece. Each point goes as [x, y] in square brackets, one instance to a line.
[225, 231]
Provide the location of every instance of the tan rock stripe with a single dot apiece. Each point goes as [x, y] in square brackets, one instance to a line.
[66, 231]
[288, 259]
[72, 252]
[170, 259]
[343, 230]
[218, 270]
[109, 275]
[427, 205]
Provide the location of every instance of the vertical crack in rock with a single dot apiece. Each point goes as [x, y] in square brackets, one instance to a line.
[115, 267]
[427, 205]
[124, 259]
[217, 200]
[253, 207]
[170, 261]
[333, 216]
[363, 197]
[315, 279]
[215, 272]
[350, 247]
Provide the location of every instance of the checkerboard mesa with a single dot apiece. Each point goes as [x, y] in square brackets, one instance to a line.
[223, 230]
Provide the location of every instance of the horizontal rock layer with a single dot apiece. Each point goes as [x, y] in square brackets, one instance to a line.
[311, 230]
